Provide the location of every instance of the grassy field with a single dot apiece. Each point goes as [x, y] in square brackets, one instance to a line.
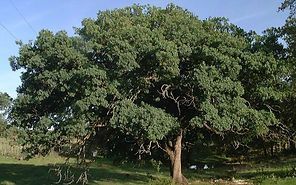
[103, 172]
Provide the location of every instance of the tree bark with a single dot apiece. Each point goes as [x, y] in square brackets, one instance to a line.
[174, 153]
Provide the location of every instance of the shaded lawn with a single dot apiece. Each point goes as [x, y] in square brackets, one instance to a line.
[17, 174]
[14, 172]
[25, 174]
[35, 172]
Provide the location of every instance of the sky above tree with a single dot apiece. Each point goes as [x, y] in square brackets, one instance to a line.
[21, 20]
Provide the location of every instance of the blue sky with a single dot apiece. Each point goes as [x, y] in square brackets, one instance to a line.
[58, 15]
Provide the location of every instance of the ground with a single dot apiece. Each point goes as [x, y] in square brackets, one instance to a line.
[104, 172]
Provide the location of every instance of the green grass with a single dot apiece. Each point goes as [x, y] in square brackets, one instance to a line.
[279, 171]
[104, 172]
[276, 181]
[35, 172]
[17, 172]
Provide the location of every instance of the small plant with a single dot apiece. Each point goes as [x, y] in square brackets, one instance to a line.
[156, 164]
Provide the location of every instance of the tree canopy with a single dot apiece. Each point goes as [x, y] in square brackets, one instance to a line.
[153, 74]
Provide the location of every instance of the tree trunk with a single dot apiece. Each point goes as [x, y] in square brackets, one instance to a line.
[174, 153]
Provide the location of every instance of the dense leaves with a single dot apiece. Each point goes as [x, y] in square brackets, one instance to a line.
[60, 89]
[149, 73]
[142, 121]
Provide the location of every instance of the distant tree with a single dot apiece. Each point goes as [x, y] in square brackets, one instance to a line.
[2, 126]
[5, 103]
[152, 74]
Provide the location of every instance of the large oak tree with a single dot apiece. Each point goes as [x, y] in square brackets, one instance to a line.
[151, 73]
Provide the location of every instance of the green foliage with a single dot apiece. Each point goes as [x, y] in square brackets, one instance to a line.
[142, 121]
[2, 127]
[288, 34]
[5, 104]
[70, 91]
[147, 72]
[5, 101]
